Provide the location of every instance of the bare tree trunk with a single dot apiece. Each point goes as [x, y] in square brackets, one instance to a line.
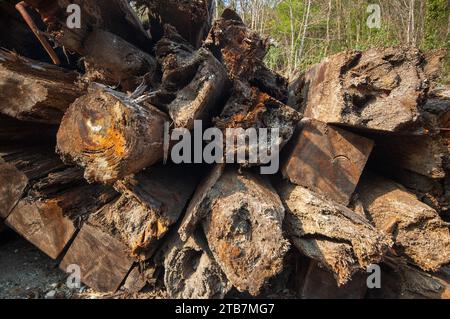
[305, 29]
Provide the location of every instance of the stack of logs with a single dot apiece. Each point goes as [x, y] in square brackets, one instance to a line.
[363, 181]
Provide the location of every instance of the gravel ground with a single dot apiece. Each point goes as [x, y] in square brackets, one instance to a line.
[27, 273]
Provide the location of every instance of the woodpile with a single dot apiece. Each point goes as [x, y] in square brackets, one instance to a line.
[85, 177]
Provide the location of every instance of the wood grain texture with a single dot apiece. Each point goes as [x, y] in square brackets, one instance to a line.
[328, 160]
[35, 91]
[359, 89]
[103, 260]
[20, 168]
[55, 207]
[417, 230]
[111, 136]
[342, 241]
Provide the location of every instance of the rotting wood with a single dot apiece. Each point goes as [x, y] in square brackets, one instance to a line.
[195, 79]
[356, 89]
[191, 271]
[35, 91]
[20, 168]
[114, 16]
[250, 108]
[416, 229]
[153, 201]
[341, 240]
[192, 19]
[55, 207]
[111, 136]
[242, 51]
[242, 220]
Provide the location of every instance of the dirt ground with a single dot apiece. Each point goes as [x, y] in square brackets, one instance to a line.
[27, 273]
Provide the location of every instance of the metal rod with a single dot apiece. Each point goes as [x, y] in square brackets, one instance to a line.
[21, 7]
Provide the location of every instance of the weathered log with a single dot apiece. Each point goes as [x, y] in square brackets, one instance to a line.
[327, 160]
[341, 240]
[250, 108]
[103, 260]
[195, 79]
[20, 168]
[433, 192]
[35, 91]
[320, 284]
[191, 271]
[55, 207]
[114, 16]
[242, 220]
[401, 281]
[111, 38]
[192, 19]
[153, 201]
[381, 90]
[427, 155]
[111, 60]
[242, 51]
[416, 229]
[134, 223]
[135, 281]
[111, 136]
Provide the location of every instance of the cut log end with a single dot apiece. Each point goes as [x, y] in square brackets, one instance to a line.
[111, 136]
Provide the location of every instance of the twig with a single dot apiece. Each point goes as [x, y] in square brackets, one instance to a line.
[21, 7]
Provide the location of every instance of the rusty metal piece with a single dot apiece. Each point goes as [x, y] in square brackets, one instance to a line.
[21, 7]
